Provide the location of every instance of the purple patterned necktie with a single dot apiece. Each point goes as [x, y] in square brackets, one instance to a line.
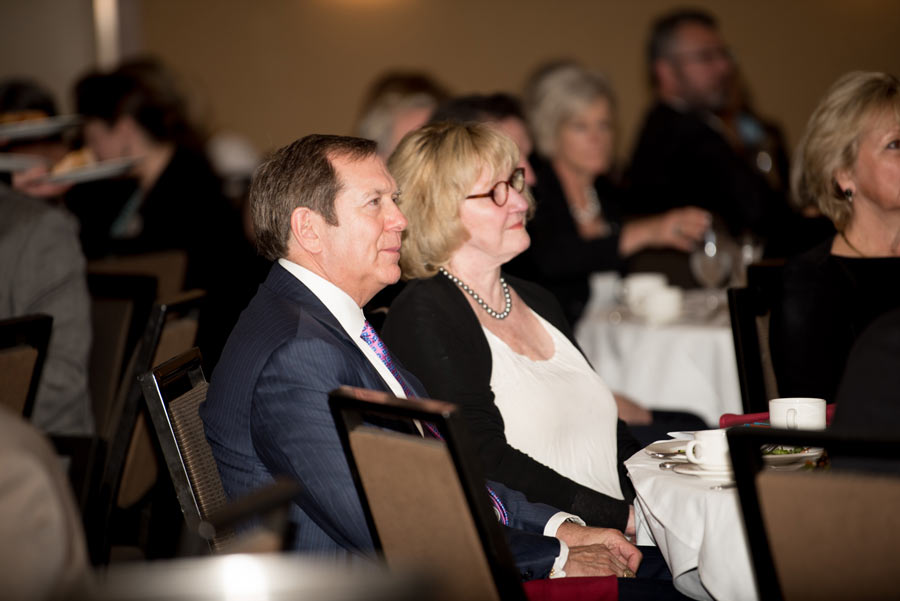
[371, 337]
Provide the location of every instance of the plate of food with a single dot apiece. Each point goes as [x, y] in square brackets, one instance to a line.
[10, 161]
[672, 448]
[786, 454]
[30, 128]
[81, 166]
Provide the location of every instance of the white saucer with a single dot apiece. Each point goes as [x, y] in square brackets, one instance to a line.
[667, 447]
[692, 469]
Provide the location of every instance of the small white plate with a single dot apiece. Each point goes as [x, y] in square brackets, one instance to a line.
[810, 454]
[37, 128]
[689, 435]
[10, 161]
[691, 469]
[88, 173]
[667, 447]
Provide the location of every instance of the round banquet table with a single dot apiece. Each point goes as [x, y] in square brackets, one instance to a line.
[699, 531]
[687, 364]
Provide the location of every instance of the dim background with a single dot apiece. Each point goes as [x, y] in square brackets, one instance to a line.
[274, 70]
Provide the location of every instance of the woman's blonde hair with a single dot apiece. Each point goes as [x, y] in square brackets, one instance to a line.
[831, 140]
[555, 93]
[435, 168]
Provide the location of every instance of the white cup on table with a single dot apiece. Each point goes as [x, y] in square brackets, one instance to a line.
[797, 413]
[709, 450]
[662, 305]
[637, 286]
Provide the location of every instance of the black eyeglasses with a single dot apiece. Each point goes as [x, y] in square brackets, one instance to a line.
[500, 192]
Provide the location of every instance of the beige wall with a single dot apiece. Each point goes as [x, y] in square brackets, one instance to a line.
[51, 41]
[277, 69]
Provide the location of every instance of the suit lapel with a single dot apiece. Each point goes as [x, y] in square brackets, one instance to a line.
[282, 283]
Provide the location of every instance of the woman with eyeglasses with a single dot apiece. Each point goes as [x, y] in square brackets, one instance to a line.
[541, 420]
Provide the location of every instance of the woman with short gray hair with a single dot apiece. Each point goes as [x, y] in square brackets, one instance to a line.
[578, 228]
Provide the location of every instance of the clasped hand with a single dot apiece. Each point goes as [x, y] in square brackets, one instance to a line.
[598, 552]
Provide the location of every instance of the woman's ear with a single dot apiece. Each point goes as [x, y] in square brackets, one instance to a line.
[305, 229]
[845, 181]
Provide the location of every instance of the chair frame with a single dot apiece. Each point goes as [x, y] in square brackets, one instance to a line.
[141, 290]
[34, 331]
[745, 305]
[745, 448]
[351, 407]
[160, 386]
[130, 400]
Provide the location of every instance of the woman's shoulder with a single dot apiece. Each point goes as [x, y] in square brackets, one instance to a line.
[540, 300]
[809, 266]
[425, 298]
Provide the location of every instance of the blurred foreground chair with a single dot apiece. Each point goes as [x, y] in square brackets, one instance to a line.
[750, 310]
[426, 506]
[168, 267]
[23, 349]
[825, 534]
[173, 392]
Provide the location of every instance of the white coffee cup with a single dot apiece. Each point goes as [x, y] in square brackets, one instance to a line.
[662, 305]
[797, 413]
[709, 450]
[637, 286]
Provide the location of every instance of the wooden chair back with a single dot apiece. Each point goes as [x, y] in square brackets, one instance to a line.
[120, 311]
[750, 310]
[824, 534]
[173, 392]
[424, 498]
[168, 267]
[23, 350]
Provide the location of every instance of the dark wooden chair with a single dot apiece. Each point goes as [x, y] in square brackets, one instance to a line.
[120, 309]
[23, 350]
[425, 502]
[173, 392]
[824, 534]
[167, 267]
[750, 310]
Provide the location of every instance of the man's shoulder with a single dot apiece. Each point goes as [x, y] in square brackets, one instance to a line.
[20, 214]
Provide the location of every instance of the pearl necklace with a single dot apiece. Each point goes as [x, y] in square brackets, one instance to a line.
[478, 299]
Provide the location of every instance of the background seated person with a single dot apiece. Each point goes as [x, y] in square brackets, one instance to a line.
[847, 164]
[578, 226]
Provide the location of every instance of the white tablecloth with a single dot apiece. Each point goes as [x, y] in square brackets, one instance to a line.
[699, 531]
[688, 364]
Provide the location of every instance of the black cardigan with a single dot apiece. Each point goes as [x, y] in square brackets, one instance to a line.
[432, 329]
[827, 302]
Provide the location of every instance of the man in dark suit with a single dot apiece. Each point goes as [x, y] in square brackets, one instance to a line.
[325, 209]
[683, 156]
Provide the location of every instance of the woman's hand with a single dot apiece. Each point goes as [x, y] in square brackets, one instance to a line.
[630, 412]
[680, 229]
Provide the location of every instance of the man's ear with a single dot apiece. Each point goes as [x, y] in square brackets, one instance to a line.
[666, 78]
[306, 229]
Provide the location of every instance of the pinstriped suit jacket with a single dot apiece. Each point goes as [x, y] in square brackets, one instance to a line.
[267, 414]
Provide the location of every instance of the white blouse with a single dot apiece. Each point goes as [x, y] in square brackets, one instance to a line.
[558, 411]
